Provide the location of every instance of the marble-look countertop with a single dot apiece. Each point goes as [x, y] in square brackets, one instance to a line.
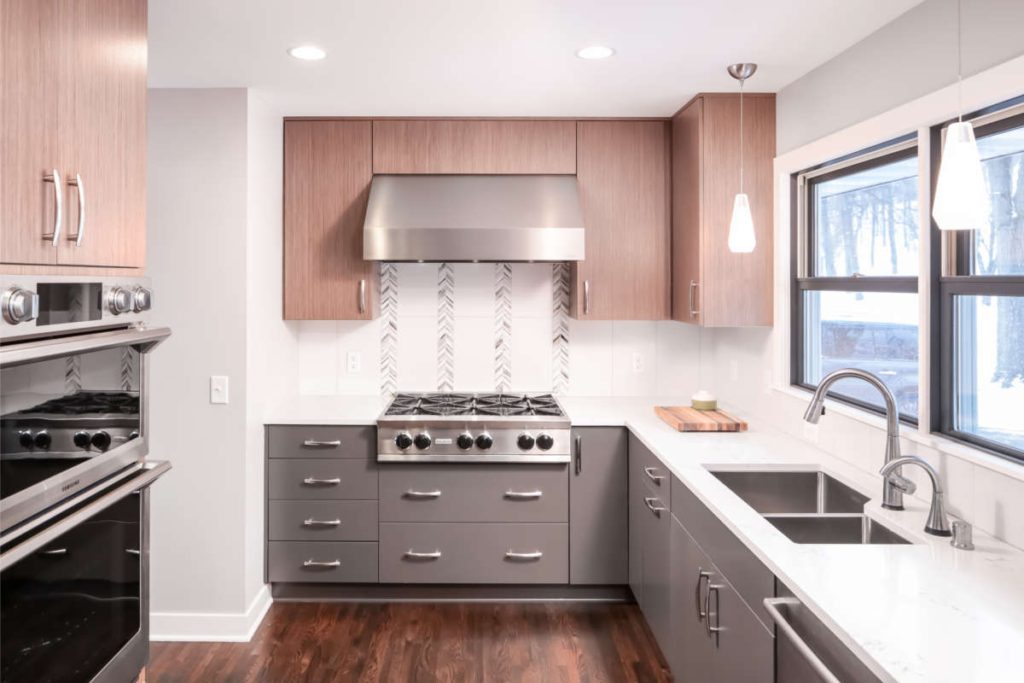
[921, 613]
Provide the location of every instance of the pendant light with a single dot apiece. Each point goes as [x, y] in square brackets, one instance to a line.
[961, 198]
[742, 239]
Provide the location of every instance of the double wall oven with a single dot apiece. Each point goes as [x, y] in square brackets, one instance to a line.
[74, 477]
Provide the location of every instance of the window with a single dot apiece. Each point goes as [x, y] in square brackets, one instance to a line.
[981, 373]
[856, 269]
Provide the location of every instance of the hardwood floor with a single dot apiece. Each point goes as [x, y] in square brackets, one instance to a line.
[329, 642]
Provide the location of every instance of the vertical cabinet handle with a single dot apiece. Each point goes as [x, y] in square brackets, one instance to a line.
[694, 311]
[586, 297]
[578, 461]
[362, 297]
[77, 182]
[717, 628]
[701, 576]
[58, 201]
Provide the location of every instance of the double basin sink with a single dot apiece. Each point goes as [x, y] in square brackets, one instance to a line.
[809, 506]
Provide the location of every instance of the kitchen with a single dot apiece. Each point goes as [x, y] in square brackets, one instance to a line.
[334, 336]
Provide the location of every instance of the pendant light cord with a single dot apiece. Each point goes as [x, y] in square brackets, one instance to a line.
[741, 134]
[959, 62]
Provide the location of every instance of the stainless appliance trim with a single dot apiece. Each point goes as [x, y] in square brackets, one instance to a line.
[427, 457]
[772, 605]
[43, 349]
[144, 475]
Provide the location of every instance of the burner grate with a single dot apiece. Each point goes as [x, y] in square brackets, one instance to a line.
[469, 404]
[88, 402]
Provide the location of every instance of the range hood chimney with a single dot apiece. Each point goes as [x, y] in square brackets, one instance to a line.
[473, 218]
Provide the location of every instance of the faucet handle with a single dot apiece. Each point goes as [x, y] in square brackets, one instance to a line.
[963, 536]
[902, 483]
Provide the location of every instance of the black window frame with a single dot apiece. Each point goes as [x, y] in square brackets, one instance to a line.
[957, 278]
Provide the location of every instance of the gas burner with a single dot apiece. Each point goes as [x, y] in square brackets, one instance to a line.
[87, 403]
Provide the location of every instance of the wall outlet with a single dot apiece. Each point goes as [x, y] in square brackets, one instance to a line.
[218, 389]
[638, 362]
[354, 362]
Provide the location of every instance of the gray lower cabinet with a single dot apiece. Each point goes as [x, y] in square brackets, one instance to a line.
[474, 553]
[598, 507]
[322, 479]
[288, 441]
[321, 562]
[322, 520]
[691, 654]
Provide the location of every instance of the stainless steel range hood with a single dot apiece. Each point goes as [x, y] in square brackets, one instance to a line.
[473, 218]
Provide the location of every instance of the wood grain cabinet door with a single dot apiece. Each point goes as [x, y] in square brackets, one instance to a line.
[103, 132]
[687, 179]
[327, 174]
[28, 130]
[623, 172]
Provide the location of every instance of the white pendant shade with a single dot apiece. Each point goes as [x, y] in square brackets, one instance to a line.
[741, 229]
[961, 197]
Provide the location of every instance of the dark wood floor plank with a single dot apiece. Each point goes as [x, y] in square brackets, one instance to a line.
[426, 643]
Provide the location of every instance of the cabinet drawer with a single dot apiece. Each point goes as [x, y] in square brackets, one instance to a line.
[474, 553]
[749, 577]
[647, 468]
[323, 520]
[322, 479]
[320, 562]
[322, 442]
[474, 493]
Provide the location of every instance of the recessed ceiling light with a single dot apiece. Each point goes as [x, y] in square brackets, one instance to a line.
[595, 52]
[308, 52]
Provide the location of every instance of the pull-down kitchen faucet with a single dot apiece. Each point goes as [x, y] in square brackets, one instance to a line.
[892, 497]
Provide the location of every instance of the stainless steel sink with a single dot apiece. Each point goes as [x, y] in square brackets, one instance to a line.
[787, 491]
[838, 529]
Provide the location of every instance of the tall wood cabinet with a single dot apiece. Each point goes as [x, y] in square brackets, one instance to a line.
[712, 286]
[623, 173]
[73, 109]
[327, 173]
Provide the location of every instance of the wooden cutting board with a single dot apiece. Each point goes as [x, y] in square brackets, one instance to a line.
[686, 419]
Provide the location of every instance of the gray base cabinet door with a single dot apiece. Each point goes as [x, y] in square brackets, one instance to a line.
[598, 507]
[656, 538]
[744, 648]
[691, 654]
[637, 516]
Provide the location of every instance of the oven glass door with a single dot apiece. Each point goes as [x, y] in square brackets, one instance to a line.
[68, 608]
[58, 413]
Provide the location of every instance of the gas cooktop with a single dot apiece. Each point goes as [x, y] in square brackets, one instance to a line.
[463, 427]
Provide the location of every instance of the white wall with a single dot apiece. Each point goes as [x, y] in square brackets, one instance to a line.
[909, 57]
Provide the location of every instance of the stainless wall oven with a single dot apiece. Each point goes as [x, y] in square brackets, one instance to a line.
[74, 477]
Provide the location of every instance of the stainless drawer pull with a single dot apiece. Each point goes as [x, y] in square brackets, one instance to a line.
[314, 481]
[321, 522]
[313, 443]
[523, 495]
[579, 454]
[362, 297]
[701, 575]
[54, 552]
[651, 474]
[717, 628]
[694, 311]
[656, 509]
[133, 551]
[523, 557]
[321, 564]
[772, 605]
[421, 494]
[586, 297]
[413, 555]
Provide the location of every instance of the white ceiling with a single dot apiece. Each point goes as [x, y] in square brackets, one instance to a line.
[490, 57]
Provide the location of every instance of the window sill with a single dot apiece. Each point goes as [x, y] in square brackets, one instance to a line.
[972, 454]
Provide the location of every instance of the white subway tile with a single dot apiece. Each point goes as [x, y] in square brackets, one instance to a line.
[417, 353]
[632, 341]
[531, 290]
[999, 505]
[474, 289]
[474, 353]
[677, 358]
[361, 337]
[318, 357]
[590, 358]
[531, 354]
[417, 289]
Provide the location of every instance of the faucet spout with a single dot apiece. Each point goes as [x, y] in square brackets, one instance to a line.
[938, 521]
[892, 496]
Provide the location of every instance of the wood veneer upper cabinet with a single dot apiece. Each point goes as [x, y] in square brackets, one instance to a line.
[74, 79]
[712, 286]
[474, 146]
[623, 173]
[327, 173]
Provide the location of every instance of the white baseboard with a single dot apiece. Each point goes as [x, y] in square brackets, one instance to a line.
[211, 626]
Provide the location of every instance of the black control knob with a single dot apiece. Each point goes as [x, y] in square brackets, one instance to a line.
[25, 439]
[403, 440]
[484, 441]
[43, 440]
[101, 440]
[545, 442]
[465, 441]
[525, 442]
[81, 439]
[422, 441]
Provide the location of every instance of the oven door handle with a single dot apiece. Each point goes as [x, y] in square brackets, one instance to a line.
[148, 473]
[81, 343]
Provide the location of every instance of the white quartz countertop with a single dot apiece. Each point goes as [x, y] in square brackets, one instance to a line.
[921, 613]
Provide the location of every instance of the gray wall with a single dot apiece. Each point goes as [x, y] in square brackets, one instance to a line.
[909, 57]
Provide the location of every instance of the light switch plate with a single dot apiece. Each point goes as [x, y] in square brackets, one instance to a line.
[354, 362]
[218, 389]
[638, 362]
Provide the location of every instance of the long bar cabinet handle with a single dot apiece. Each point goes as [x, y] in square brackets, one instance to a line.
[410, 493]
[586, 297]
[523, 495]
[77, 182]
[772, 605]
[321, 522]
[413, 555]
[362, 296]
[579, 455]
[701, 575]
[320, 563]
[315, 481]
[58, 201]
[313, 443]
[535, 555]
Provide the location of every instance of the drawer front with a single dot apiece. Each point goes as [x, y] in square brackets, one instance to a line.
[322, 520]
[474, 553]
[474, 493]
[744, 571]
[322, 479]
[320, 562]
[646, 467]
[322, 442]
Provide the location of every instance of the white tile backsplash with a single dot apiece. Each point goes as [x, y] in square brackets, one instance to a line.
[531, 353]
[531, 290]
[318, 357]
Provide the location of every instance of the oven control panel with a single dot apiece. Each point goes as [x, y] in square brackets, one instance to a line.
[472, 442]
